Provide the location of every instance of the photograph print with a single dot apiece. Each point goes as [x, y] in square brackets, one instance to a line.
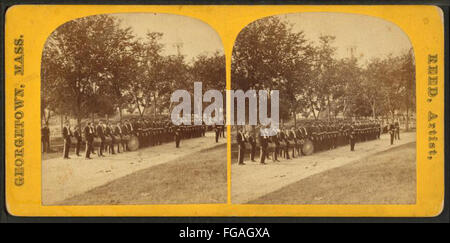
[345, 128]
[108, 137]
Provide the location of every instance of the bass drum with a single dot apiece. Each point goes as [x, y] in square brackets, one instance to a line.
[97, 141]
[125, 138]
[308, 147]
[108, 140]
[133, 143]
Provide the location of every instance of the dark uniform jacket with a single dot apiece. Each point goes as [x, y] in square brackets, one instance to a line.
[66, 133]
[263, 141]
[240, 139]
[100, 132]
[77, 135]
[88, 133]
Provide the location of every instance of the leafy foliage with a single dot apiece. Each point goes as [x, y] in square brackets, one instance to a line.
[94, 65]
[315, 83]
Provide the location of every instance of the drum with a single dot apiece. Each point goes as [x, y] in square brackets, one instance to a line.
[308, 147]
[125, 138]
[108, 140]
[133, 143]
[96, 141]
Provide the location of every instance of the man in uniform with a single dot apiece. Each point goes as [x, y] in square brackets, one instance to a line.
[77, 135]
[109, 133]
[100, 132]
[392, 132]
[118, 134]
[276, 143]
[203, 129]
[263, 141]
[352, 137]
[216, 131]
[252, 141]
[177, 136]
[66, 134]
[397, 130]
[125, 136]
[89, 136]
[288, 142]
[279, 144]
[241, 140]
[292, 140]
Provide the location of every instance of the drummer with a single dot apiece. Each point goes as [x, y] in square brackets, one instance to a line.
[109, 133]
[118, 134]
[125, 135]
[100, 133]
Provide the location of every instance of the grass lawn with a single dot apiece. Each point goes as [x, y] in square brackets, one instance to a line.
[198, 178]
[388, 177]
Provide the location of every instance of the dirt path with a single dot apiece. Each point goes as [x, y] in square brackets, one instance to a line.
[180, 181]
[253, 180]
[62, 179]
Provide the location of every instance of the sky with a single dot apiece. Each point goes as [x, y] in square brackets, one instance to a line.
[371, 36]
[196, 36]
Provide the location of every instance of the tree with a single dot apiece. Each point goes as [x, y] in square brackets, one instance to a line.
[78, 65]
[210, 70]
[149, 63]
[323, 84]
[348, 87]
[268, 55]
[408, 78]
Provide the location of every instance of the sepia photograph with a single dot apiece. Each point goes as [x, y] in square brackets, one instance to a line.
[224, 113]
[108, 137]
[345, 131]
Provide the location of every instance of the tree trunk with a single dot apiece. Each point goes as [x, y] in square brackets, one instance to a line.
[295, 118]
[47, 121]
[43, 118]
[407, 110]
[329, 108]
[154, 105]
[79, 122]
[407, 119]
[373, 110]
[120, 114]
[314, 114]
[138, 106]
[143, 111]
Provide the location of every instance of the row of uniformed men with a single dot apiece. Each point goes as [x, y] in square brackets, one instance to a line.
[109, 136]
[116, 136]
[321, 135]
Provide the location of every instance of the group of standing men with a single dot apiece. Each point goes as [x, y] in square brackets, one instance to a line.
[309, 137]
[112, 138]
[107, 136]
